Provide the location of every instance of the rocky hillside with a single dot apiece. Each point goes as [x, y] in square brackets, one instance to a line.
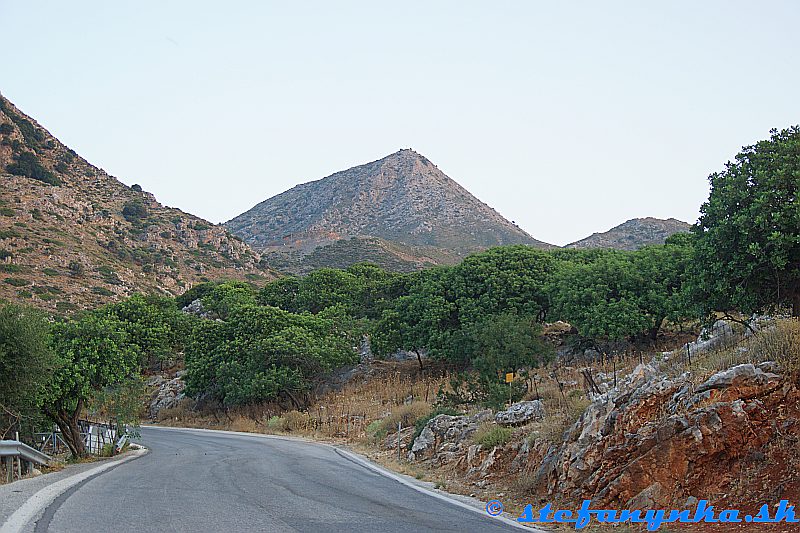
[633, 234]
[403, 200]
[72, 236]
[665, 435]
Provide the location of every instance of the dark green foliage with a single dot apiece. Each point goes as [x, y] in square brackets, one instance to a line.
[263, 353]
[363, 291]
[17, 282]
[220, 299]
[61, 167]
[152, 324]
[136, 187]
[748, 236]
[27, 164]
[102, 291]
[616, 295]
[134, 211]
[76, 268]
[6, 128]
[26, 365]
[93, 354]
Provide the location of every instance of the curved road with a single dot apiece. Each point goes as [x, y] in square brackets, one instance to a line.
[211, 481]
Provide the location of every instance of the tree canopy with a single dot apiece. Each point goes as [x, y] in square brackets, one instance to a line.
[748, 235]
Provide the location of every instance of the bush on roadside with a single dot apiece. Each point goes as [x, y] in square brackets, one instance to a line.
[406, 415]
[490, 435]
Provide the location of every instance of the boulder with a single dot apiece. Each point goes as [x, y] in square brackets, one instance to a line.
[740, 376]
[167, 393]
[520, 413]
[443, 430]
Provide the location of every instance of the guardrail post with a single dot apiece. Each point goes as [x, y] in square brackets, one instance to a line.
[9, 469]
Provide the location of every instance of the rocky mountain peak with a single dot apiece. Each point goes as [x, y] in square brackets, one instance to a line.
[403, 199]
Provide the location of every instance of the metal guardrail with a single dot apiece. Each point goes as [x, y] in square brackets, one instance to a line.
[15, 448]
[12, 451]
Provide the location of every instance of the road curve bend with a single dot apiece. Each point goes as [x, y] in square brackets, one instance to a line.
[196, 480]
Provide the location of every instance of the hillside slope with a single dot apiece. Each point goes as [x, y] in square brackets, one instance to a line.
[402, 199]
[633, 234]
[72, 236]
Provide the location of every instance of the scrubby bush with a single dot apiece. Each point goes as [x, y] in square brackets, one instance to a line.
[76, 268]
[490, 435]
[27, 164]
[275, 423]
[134, 211]
[406, 415]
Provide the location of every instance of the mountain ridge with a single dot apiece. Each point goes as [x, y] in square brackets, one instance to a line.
[633, 234]
[402, 198]
[73, 236]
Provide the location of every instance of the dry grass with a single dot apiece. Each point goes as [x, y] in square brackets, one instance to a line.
[388, 398]
[405, 415]
[778, 341]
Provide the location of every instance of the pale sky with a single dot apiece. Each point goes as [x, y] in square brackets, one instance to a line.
[567, 117]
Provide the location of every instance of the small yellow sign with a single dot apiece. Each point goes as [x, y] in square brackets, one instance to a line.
[509, 377]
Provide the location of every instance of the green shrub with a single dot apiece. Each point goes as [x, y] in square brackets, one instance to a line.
[490, 435]
[275, 423]
[27, 164]
[17, 282]
[102, 291]
[7, 212]
[8, 233]
[374, 429]
[76, 268]
[65, 306]
[134, 211]
[50, 272]
[24, 294]
[10, 268]
[61, 167]
[6, 128]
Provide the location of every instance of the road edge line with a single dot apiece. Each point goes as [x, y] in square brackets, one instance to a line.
[45, 496]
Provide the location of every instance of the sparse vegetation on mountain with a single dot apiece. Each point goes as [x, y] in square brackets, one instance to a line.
[109, 240]
[401, 212]
[633, 234]
[26, 164]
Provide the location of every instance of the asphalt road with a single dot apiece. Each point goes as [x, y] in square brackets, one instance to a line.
[208, 481]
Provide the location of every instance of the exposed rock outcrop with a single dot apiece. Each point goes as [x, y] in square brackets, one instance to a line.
[166, 393]
[656, 439]
[520, 413]
[445, 436]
